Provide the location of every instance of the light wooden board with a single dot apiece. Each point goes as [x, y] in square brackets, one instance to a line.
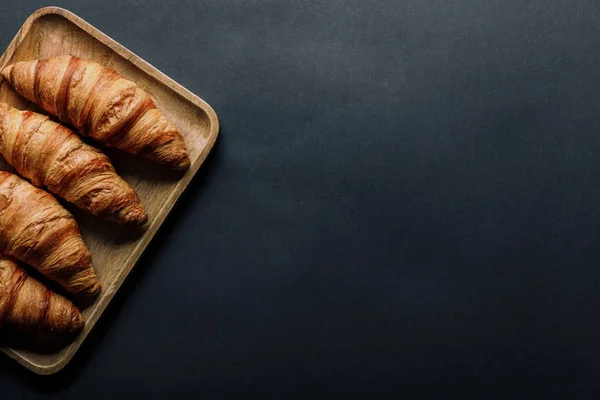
[53, 31]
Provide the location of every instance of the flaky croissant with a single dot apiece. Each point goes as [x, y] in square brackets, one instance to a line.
[50, 155]
[27, 305]
[37, 230]
[101, 104]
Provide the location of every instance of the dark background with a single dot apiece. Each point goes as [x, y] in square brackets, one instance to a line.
[404, 200]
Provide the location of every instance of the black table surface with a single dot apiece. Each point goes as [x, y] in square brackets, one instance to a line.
[404, 200]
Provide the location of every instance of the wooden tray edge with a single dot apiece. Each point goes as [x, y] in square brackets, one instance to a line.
[164, 211]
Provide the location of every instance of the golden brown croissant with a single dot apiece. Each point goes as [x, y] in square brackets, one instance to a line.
[102, 104]
[37, 230]
[52, 156]
[27, 305]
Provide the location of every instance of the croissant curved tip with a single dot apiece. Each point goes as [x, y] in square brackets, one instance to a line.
[6, 72]
[77, 322]
[91, 290]
[95, 289]
[133, 215]
[181, 165]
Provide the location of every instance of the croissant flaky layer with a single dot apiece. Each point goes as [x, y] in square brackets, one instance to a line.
[50, 155]
[37, 230]
[27, 305]
[102, 104]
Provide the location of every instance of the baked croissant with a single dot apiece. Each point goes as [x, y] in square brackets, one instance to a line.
[101, 104]
[50, 155]
[27, 305]
[37, 230]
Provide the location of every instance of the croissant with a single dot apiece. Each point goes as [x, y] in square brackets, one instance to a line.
[27, 305]
[50, 155]
[37, 230]
[101, 104]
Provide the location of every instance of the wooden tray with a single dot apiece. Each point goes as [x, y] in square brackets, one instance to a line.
[53, 31]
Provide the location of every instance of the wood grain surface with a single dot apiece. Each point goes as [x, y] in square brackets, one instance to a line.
[53, 31]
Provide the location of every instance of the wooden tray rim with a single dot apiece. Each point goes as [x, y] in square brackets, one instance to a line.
[142, 244]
